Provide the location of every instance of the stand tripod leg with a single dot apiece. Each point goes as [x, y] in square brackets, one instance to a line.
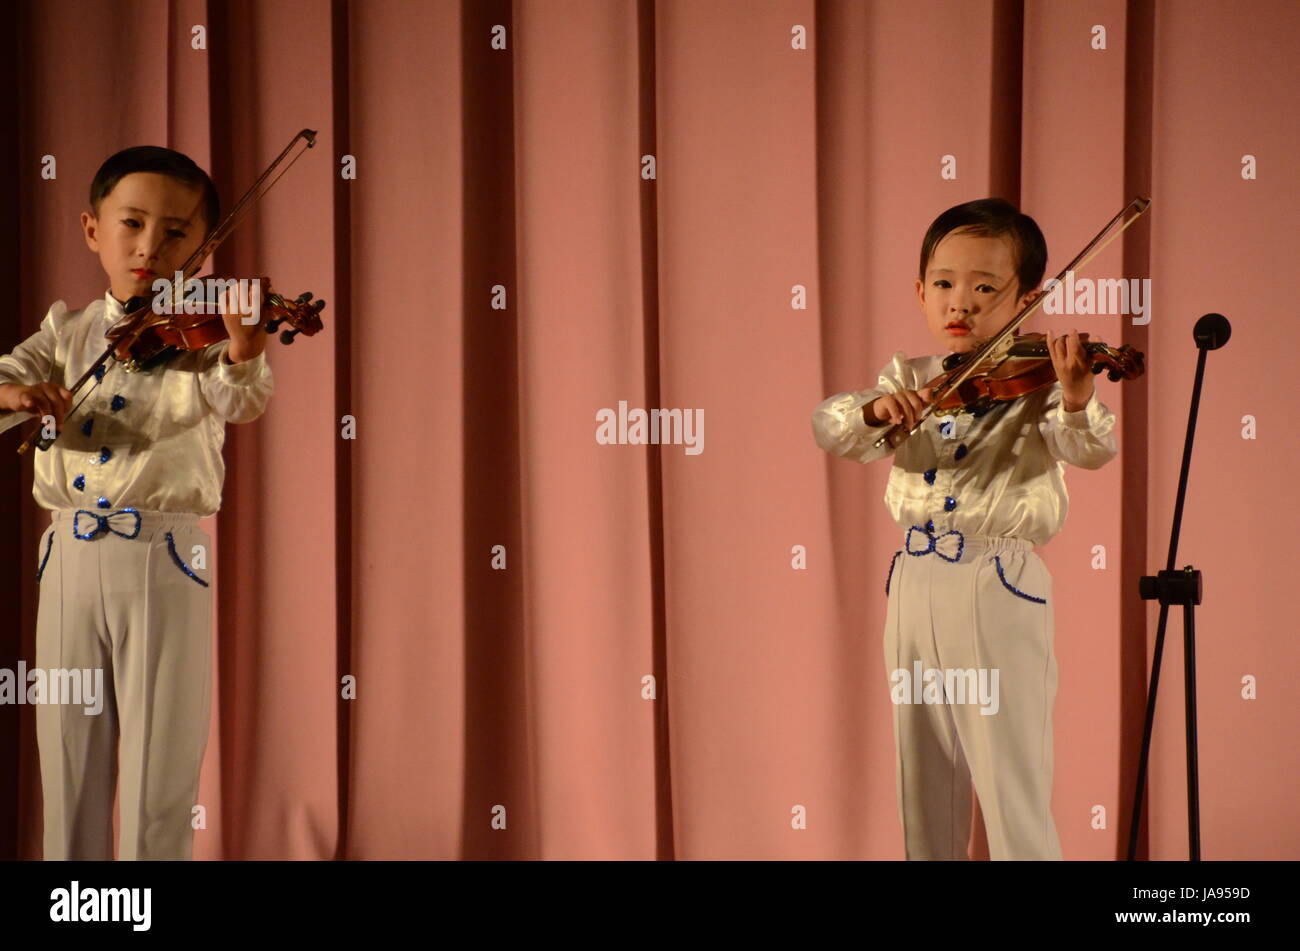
[1140, 788]
[1189, 688]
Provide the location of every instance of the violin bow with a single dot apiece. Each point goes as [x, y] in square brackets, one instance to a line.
[136, 322]
[1090, 251]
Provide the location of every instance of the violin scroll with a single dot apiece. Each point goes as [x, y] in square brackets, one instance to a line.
[302, 314]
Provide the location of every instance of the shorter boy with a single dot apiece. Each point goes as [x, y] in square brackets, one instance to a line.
[973, 496]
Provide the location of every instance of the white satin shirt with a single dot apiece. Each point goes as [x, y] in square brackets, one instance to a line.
[150, 440]
[1001, 474]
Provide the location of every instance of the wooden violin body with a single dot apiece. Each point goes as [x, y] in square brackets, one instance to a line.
[157, 339]
[1023, 368]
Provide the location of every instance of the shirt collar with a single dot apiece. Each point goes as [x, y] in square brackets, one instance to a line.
[113, 308]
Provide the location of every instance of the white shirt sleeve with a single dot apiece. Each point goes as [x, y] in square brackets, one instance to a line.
[839, 426]
[1084, 438]
[238, 392]
[32, 361]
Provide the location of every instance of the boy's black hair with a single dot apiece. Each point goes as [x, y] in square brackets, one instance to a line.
[154, 158]
[993, 218]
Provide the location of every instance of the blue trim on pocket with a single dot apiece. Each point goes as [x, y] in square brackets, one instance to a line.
[49, 543]
[171, 547]
[891, 570]
[997, 560]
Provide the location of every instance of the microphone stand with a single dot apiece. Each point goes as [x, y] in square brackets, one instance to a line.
[1183, 588]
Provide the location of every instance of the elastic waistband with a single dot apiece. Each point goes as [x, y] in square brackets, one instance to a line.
[997, 543]
[122, 519]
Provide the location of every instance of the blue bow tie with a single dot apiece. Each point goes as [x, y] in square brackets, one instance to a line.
[104, 523]
[939, 544]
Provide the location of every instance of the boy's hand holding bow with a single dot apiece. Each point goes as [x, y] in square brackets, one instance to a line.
[247, 339]
[1073, 369]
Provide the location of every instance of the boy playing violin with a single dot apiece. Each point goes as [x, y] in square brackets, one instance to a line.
[125, 584]
[974, 494]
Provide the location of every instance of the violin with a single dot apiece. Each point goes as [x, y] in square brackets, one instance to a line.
[144, 338]
[1025, 368]
[1008, 365]
[141, 344]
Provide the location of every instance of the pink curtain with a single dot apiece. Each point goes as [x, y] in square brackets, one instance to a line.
[563, 649]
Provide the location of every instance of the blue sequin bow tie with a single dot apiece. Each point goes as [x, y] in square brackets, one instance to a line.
[949, 541]
[104, 523]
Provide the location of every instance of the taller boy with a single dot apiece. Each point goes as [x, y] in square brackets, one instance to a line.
[123, 586]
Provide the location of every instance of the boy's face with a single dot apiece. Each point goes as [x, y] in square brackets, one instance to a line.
[147, 226]
[969, 290]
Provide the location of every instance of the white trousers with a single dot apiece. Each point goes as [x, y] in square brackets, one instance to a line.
[129, 607]
[990, 610]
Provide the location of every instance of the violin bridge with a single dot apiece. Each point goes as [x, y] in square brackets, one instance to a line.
[1002, 349]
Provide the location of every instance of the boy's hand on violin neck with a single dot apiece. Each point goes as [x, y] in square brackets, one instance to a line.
[41, 399]
[247, 340]
[1073, 369]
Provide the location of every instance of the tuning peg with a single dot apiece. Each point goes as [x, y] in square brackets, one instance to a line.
[286, 337]
[304, 297]
[273, 324]
[320, 305]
